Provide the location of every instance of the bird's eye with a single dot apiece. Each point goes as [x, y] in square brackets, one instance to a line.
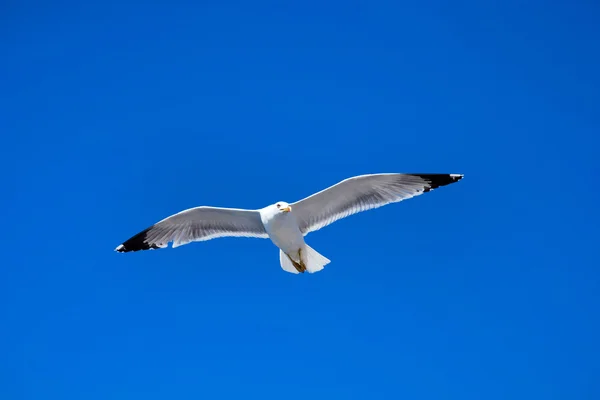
[278, 205]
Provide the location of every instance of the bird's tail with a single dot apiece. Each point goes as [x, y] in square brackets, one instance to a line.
[288, 265]
[313, 260]
[307, 260]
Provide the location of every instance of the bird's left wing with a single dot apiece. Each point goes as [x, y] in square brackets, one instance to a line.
[197, 224]
[361, 193]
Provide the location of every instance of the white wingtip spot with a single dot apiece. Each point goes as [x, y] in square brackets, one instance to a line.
[455, 176]
[120, 247]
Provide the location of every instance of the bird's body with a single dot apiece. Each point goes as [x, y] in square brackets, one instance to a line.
[284, 232]
[285, 224]
[282, 229]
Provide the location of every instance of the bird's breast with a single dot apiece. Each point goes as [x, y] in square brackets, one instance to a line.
[284, 232]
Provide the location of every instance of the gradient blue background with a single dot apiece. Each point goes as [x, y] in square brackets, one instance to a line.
[115, 115]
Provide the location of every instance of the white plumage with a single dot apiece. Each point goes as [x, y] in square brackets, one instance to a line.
[287, 224]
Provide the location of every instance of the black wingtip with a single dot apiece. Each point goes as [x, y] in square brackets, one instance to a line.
[437, 180]
[136, 243]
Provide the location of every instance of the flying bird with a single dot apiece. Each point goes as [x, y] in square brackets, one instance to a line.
[287, 224]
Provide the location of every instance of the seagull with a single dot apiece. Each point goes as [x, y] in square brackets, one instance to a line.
[287, 224]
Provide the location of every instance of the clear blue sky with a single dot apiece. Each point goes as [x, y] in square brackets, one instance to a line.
[114, 116]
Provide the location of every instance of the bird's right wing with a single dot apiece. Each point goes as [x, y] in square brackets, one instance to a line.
[361, 193]
[197, 224]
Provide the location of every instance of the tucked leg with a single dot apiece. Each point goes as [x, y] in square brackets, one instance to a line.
[299, 266]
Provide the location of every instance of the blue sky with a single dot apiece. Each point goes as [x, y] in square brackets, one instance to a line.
[116, 115]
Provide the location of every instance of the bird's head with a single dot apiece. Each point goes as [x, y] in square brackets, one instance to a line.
[283, 207]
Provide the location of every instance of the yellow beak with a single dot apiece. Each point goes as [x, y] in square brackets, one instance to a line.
[287, 209]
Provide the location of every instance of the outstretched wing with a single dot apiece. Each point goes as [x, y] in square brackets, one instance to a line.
[362, 193]
[197, 224]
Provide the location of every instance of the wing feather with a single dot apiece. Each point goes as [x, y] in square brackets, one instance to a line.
[197, 224]
[361, 193]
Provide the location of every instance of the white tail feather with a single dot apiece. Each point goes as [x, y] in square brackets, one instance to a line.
[286, 264]
[313, 260]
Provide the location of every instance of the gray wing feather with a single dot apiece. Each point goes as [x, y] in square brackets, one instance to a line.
[197, 224]
[361, 193]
